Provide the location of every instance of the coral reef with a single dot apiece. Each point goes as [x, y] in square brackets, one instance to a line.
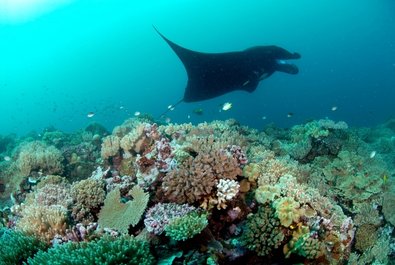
[211, 193]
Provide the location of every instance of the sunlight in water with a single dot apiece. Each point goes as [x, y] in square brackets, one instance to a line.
[16, 11]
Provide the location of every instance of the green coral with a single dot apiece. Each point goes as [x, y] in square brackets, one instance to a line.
[263, 232]
[267, 193]
[287, 210]
[16, 247]
[106, 250]
[187, 226]
[303, 244]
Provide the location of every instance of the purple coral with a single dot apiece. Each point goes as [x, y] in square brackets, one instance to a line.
[164, 161]
[160, 215]
[237, 154]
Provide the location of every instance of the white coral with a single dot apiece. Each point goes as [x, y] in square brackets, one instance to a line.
[227, 189]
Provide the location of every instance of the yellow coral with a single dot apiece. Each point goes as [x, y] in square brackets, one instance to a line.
[266, 193]
[287, 210]
[110, 146]
[43, 222]
[119, 216]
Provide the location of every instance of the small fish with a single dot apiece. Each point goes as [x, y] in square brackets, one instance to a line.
[372, 154]
[290, 115]
[121, 107]
[189, 116]
[137, 113]
[198, 111]
[167, 120]
[334, 108]
[385, 178]
[226, 106]
[264, 117]
[90, 114]
[7, 158]
[170, 107]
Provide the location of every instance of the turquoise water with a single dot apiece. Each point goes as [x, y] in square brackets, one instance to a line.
[104, 57]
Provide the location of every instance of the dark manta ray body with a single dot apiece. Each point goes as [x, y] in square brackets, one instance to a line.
[214, 74]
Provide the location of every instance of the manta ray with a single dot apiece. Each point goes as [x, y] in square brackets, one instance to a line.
[214, 74]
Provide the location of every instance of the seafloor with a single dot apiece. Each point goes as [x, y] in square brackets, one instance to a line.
[215, 193]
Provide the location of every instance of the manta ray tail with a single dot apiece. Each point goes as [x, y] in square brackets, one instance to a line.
[170, 108]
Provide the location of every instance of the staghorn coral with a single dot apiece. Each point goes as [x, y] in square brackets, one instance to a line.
[37, 156]
[186, 226]
[120, 216]
[262, 233]
[88, 196]
[44, 222]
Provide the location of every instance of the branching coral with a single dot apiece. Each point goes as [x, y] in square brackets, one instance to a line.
[52, 194]
[187, 226]
[262, 233]
[227, 189]
[197, 177]
[193, 180]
